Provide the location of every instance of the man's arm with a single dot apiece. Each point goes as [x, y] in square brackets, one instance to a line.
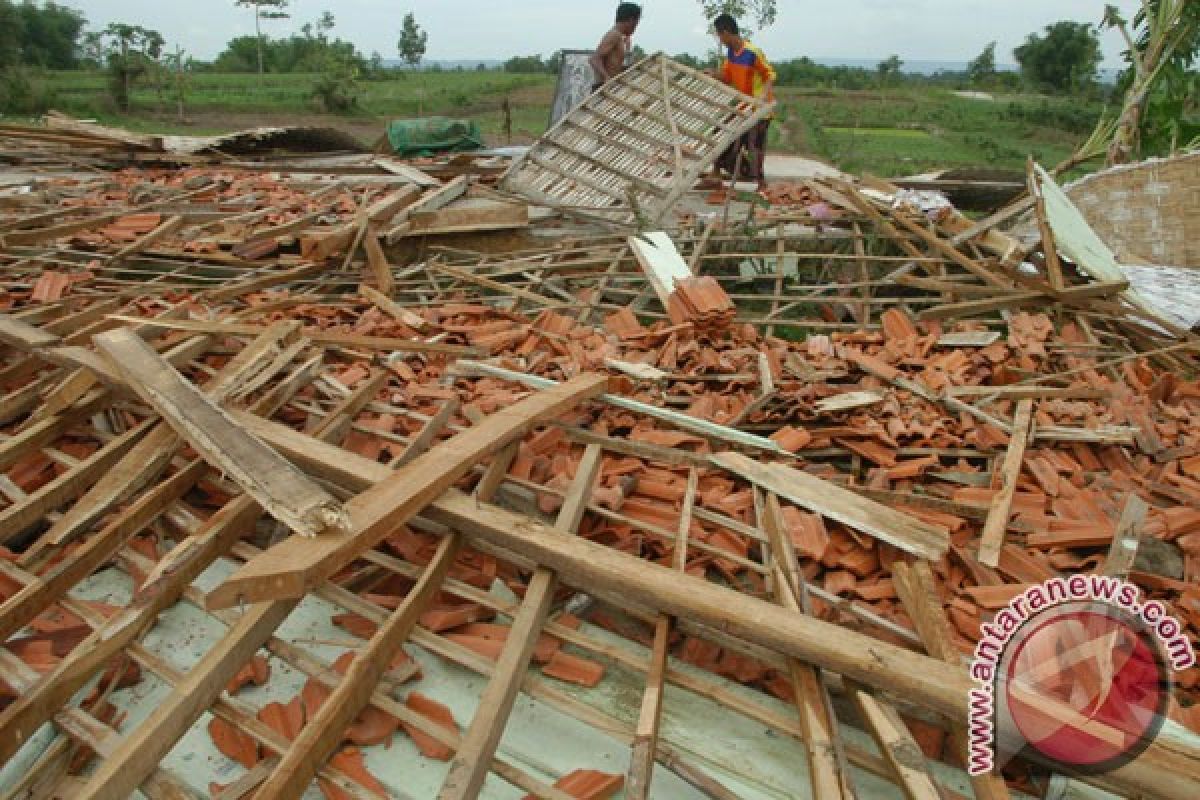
[607, 45]
[768, 75]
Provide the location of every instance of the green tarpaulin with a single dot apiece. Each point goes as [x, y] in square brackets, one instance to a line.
[423, 137]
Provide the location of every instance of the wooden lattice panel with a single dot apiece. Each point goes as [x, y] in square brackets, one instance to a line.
[632, 148]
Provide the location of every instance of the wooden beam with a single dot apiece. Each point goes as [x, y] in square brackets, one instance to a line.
[469, 768]
[296, 565]
[992, 539]
[832, 501]
[19, 610]
[285, 492]
[220, 328]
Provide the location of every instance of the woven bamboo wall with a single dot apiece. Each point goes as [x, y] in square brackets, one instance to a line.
[1148, 211]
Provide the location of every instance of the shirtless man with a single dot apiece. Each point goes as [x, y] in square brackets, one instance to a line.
[609, 59]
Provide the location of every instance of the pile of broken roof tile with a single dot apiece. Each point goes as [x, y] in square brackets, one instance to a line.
[912, 414]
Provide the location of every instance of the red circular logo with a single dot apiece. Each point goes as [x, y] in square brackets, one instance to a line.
[1086, 687]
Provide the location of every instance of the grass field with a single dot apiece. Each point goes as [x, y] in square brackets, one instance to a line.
[884, 132]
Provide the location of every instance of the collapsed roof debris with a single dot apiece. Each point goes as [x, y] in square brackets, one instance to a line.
[293, 472]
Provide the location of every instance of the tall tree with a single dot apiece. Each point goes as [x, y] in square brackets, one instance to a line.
[412, 41]
[888, 69]
[761, 13]
[264, 9]
[1064, 59]
[982, 69]
[1161, 83]
[40, 34]
[12, 33]
[131, 52]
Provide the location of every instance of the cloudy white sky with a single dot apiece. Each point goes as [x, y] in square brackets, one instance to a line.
[916, 30]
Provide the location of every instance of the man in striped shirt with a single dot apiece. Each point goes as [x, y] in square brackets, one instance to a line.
[746, 69]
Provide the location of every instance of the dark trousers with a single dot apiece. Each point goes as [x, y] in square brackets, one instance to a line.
[753, 147]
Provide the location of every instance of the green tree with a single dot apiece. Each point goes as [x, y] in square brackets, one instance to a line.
[761, 13]
[412, 41]
[888, 69]
[1064, 59]
[131, 51]
[1161, 84]
[982, 69]
[264, 9]
[12, 33]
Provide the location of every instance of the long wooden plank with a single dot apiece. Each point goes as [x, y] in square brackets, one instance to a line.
[467, 772]
[992, 538]
[296, 565]
[220, 328]
[322, 734]
[285, 492]
[940, 687]
[830, 500]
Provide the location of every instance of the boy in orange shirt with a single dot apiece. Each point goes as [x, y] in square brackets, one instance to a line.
[746, 69]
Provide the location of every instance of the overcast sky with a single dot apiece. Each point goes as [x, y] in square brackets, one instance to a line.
[916, 30]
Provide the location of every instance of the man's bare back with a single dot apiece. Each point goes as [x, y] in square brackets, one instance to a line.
[609, 58]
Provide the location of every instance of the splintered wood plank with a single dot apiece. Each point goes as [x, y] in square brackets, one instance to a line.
[832, 501]
[296, 565]
[285, 492]
[1122, 554]
[992, 539]
[324, 732]
[478, 746]
[140, 750]
[196, 691]
[899, 749]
